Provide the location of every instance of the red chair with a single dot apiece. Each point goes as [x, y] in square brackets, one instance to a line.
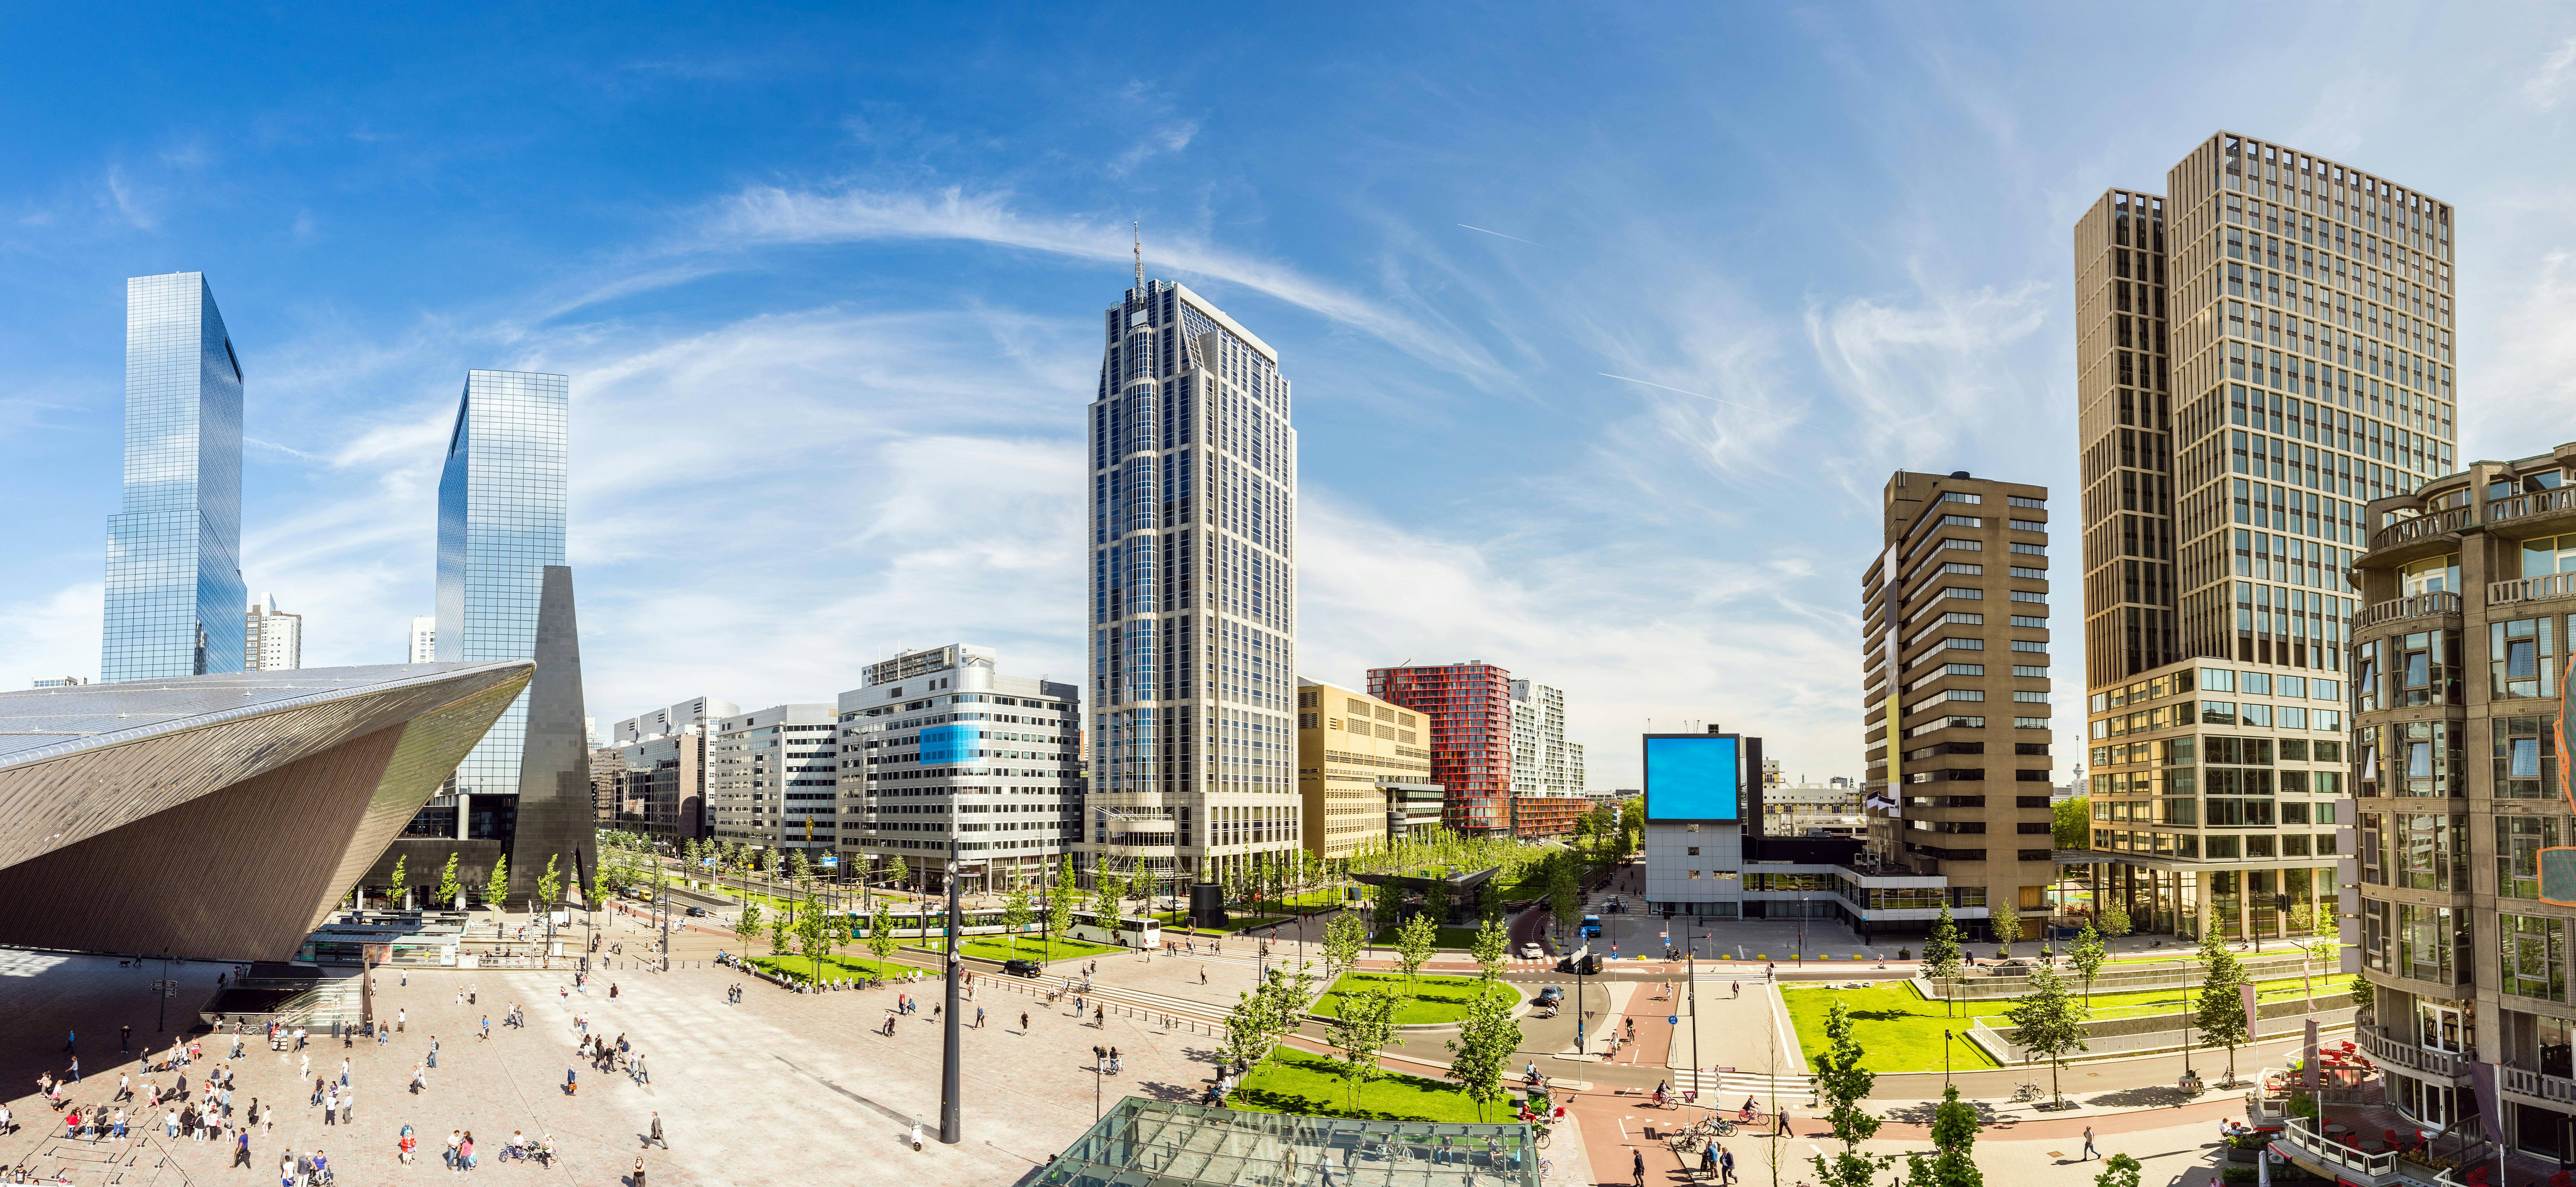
[2477, 1177]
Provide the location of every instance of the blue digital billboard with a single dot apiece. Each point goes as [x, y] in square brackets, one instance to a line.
[1693, 777]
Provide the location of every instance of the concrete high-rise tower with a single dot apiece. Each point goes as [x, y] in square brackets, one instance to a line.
[273, 641]
[2262, 349]
[174, 585]
[1193, 612]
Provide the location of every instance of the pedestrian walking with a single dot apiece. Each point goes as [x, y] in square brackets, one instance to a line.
[401, 1017]
[655, 1134]
[2088, 1144]
[979, 1017]
[125, 1039]
[1726, 1165]
[1640, 1170]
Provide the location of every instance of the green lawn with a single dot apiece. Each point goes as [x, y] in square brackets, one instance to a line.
[1435, 999]
[1902, 1030]
[1460, 938]
[1030, 948]
[835, 968]
[1293, 1081]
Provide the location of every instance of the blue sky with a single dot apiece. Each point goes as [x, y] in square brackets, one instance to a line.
[828, 289]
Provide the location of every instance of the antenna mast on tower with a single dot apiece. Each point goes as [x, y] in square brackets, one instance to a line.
[1138, 227]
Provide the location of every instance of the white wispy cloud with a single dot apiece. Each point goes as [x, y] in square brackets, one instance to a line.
[2546, 88]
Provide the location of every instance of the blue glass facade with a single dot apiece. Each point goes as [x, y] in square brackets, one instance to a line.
[175, 594]
[500, 523]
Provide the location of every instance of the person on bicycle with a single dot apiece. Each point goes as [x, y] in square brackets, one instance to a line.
[1746, 1114]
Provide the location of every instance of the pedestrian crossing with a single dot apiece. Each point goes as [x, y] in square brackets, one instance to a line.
[1720, 1087]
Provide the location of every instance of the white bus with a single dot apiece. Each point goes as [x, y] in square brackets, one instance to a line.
[1128, 931]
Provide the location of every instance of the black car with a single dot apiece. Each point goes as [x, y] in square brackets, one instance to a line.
[695, 912]
[1021, 968]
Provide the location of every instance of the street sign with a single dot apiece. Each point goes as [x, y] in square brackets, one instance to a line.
[1672, 1019]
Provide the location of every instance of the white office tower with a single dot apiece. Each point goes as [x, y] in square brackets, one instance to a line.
[424, 640]
[938, 748]
[272, 642]
[1193, 612]
[1543, 762]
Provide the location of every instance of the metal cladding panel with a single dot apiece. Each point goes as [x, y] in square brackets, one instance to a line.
[229, 834]
[188, 737]
[555, 817]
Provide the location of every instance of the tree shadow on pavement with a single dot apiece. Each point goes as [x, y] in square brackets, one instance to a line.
[2148, 1097]
[1922, 1113]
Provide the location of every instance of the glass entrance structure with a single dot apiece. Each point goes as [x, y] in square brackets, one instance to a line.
[1164, 1144]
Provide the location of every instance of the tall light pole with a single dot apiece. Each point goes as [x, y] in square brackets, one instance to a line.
[951, 1126]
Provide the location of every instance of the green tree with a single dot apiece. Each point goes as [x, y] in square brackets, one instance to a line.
[1414, 944]
[2222, 1009]
[1489, 900]
[1386, 905]
[448, 889]
[1952, 1162]
[1564, 892]
[747, 924]
[2071, 823]
[896, 872]
[1342, 940]
[1268, 1011]
[1059, 906]
[1941, 958]
[778, 929]
[550, 883]
[1483, 1049]
[496, 891]
[2113, 919]
[2121, 1171]
[881, 932]
[1842, 1082]
[2087, 957]
[1108, 896]
[2006, 921]
[1364, 1027]
[1492, 947]
[2050, 1022]
[401, 873]
[1017, 913]
[796, 867]
[813, 938]
[1435, 901]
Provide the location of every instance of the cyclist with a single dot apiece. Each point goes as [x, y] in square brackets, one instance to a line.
[1660, 1088]
[1749, 1111]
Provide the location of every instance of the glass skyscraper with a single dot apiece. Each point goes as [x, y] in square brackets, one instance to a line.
[174, 585]
[500, 523]
[1193, 594]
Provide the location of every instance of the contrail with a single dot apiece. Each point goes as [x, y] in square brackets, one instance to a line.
[1695, 395]
[1500, 235]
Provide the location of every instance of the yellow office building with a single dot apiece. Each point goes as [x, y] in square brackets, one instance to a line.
[1348, 744]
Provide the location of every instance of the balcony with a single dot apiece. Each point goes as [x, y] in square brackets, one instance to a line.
[2438, 1065]
[2540, 502]
[2417, 606]
[2339, 1160]
[2422, 527]
[2558, 1092]
[2532, 589]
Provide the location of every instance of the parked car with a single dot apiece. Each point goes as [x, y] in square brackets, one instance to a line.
[696, 912]
[1532, 952]
[1021, 968]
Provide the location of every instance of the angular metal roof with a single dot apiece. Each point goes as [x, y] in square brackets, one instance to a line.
[39, 724]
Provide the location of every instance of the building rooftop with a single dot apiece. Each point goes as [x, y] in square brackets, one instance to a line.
[41, 723]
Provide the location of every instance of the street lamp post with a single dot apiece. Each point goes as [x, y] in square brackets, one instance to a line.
[951, 1125]
[1945, 1058]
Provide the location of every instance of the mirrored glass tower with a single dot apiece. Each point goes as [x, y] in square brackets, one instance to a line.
[500, 524]
[174, 583]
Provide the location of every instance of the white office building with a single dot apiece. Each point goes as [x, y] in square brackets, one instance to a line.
[772, 779]
[940, 746]
[424, 640]
[273, 641]
[690, 716]
[1193, 581]
[1543, 762]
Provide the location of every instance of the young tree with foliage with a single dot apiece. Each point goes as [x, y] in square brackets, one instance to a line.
[1108, 897]
[1260, 1016]
[1564, 892]
[1952, 1162]
[496, 890]
[897, 873]
[1386, 906]
[449, 890]
[1414, 944]
[814, 938]
[1017, 913]
[1941, 958]
[747, 924]
[2087, 957]
[2071, 824]
[1492, 947]
[1489, 900]
[797, 868]
[401, 873]
[779, 923]
[2222, 1008]
[2006, 922]
[2121, 1171]
[2050, 1023]
[1059, 904]
[550, 883]
[1342, 940]
[1482, 1052]
[881, 939]
[2113, 920]
[1842, 1082]
[1364, 1028]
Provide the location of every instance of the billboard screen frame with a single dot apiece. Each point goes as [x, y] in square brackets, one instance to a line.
[1647, 767]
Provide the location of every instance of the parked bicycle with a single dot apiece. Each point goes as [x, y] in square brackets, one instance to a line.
[2027, 1092]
